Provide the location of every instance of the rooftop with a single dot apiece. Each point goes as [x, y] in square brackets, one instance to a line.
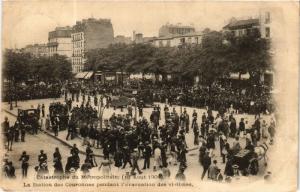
[60, 32]
[178, 35]
[178, 25]
[81, 25]
[242, 24]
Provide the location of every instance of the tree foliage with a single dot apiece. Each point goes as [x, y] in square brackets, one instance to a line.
[20, 67]
[217, 56]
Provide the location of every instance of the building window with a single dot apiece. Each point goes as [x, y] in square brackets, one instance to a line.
[268, 17]
[268, 32]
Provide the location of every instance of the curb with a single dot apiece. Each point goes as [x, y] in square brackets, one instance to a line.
[67, 144]
[7, 111]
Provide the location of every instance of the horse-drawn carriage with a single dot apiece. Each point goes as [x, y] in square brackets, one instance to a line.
[143, 97]
[247, 161]
[29, 118]
[59, 111]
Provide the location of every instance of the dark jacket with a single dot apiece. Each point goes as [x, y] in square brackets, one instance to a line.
[206, 161]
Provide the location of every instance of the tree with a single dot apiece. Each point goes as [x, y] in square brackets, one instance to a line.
[62, 67]
[16, 66]
[19, 67]
[217, 56]
[209, 59]
[140, 57]
[249, 54]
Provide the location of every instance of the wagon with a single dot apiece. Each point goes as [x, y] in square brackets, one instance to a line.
[246, 162]
[28, 117]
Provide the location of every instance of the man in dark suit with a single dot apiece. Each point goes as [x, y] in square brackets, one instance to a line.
[147, 152]
[24, 158]
[42, 158]
[135, 164]
[206, 162]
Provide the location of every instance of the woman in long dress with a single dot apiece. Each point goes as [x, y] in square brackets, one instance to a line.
[58, 168]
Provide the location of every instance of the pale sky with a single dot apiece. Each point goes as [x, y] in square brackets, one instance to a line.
[29, 22]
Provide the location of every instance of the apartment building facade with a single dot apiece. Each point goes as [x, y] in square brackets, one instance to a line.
[89, 34]
[60, 42]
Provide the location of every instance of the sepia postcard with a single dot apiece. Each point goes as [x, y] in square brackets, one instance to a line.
[149, 95]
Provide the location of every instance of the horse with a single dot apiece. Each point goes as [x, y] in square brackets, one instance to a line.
[261, 152]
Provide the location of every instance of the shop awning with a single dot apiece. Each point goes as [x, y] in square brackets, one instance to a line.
[80, 75]
[88, 75]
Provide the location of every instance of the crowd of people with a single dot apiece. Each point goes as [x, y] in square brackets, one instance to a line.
[160, 139]
[244, 99]
[124, 141]
[31, 91]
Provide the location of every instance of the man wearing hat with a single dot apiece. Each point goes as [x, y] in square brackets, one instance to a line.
[24, 158]
[225, 149]
[42, 158]
[205, 164]
[5, 125]
[135, 165]
[126, 156]
[147, 152]
[9, 170]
